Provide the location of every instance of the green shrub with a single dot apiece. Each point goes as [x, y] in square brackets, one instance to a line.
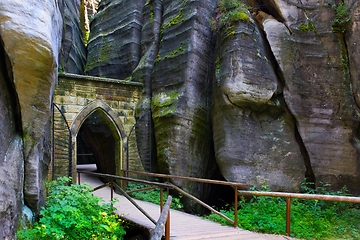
[309, 219]
[73, 212]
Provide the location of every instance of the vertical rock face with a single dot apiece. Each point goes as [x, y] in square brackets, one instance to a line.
[181, 89]
[11, 157]
[73, 53]
[153, 15]
[284, 97]
[314, 59]
[31, 42]
[114, 43]
[254, 135]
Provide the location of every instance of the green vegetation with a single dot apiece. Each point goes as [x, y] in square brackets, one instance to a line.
[73, 212]
[163, 103]
[106, 53]
[152, 195]
[180, 17]
[310, 219]
[342, 17]
[107, 49]
[309, 27]
[233, 11]
[180, 50]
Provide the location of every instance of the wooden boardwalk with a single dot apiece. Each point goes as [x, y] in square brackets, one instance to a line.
[182, 225]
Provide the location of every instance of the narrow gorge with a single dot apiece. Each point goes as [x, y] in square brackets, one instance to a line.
[263, 92]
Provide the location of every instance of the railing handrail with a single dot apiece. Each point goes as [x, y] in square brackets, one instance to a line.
[333, 198]
[289, 196]
[112, 184]
[235, 185]
[163, 185]
[164, 216]
[201, 180]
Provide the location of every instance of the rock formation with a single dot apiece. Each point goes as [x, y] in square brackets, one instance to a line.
[311, 48]
[280, 79]
[11, 154]
[254, 133]
[115, 41]
[73, 52]
[265, 91]
[29, 50]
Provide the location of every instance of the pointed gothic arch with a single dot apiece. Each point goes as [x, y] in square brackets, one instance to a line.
[103, 111]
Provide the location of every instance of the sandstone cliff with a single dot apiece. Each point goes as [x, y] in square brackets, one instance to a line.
[264, 91]
[267, 88]
[30, 33]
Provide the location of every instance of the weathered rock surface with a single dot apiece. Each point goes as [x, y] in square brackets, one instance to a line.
[153, 15]
[72, 55]
[284, 100]
[318, 86]
[31, 42]
[114, 42]
[181, 92]
[11, 157]
[254, 135]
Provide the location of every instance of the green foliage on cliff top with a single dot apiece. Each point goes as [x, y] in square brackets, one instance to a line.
[233, 11]
[310, 219]
[73, 212]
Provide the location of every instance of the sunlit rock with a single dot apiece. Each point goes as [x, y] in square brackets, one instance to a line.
[31, 35]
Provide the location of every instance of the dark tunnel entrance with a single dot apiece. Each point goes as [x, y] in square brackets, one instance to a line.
[97, 144]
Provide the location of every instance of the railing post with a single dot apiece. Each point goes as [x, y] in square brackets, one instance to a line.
[236, 208]
[112, 189]
[161, 199]
[167, 227]
[78, 178]
[288, 203]
[167, 224]
[124, 182]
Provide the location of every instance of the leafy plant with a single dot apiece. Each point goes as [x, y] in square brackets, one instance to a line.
[152, 195]
[342, 17]
[310, 219]
[73, 212]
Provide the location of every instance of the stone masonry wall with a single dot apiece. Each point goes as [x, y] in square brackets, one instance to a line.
[75, 92]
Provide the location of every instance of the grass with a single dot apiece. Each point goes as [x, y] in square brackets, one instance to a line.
[309, 219]
[152, 195]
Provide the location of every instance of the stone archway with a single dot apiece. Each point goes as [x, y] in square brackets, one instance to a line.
[101, 129]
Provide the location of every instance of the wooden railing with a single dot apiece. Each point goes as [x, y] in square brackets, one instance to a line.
[289, 196]
[167, 177]
[163, 220]
[236, 186]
